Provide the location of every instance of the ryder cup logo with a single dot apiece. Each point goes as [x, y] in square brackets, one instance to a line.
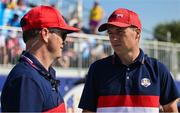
[145, 82]
[119, 15]
[116, 16]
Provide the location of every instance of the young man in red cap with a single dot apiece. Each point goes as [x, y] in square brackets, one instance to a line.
[129, 80]
[31, 85]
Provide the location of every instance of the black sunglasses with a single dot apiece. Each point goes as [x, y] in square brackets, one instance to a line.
[61, 33]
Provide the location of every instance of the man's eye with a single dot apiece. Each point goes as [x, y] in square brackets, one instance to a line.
[120, 31]
[110, 33]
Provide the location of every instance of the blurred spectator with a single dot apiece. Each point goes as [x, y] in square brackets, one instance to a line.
[64, 61]
[75, 22]
[13, 47]
[7, 15]
[21, 5]
[11, 4]
[13, 10]
[21, 8]
[96, 16]
[70, 56]
[3, 53]
[1, 11]
[69, 52]
[14, 21]
[98, 51]
[85, 51]
[21, 42]
[4, 3]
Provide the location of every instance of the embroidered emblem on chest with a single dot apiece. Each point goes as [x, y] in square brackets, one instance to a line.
[145, 82]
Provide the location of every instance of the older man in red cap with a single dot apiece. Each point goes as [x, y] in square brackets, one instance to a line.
[128, 80]
[31, 85]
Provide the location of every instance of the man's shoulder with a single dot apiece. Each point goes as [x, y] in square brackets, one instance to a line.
[104, 61]
[22, 70]
[155, 63]
[151, 60]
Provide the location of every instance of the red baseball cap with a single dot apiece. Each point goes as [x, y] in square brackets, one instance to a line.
[45, 16]
[122, 18]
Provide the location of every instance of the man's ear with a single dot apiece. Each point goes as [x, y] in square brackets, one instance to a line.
[138, 34]
[44, 33]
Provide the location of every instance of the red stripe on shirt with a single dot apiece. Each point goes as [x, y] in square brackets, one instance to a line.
[128, 101]
[58, 109]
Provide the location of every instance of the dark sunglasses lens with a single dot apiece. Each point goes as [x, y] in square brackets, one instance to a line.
[60, 33]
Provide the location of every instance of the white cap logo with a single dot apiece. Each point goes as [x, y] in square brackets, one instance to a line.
[145, 82]
[119, 15]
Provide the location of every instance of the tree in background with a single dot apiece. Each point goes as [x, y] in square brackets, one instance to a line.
[168, 32]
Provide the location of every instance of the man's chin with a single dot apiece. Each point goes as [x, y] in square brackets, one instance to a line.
[56, 60]
[58, 57]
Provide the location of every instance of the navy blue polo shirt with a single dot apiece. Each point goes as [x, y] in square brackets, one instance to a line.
[26, 90]
[140, 87]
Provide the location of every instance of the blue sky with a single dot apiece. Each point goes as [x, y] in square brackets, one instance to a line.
[151, 12]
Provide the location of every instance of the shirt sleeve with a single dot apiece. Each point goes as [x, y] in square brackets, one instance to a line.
[88, 99]
[23, 95]
[169, 91]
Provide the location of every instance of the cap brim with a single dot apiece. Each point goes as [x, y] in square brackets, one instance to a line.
[70, 29]
[104, 26]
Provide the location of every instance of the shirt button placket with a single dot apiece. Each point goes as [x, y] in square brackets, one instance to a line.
[127, 73]
[127, 79]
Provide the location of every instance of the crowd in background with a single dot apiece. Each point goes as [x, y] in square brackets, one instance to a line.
[76, 51]
[11, 42]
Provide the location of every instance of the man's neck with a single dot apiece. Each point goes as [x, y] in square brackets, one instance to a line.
[43, 58]
[129, 57]
[38, 49]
